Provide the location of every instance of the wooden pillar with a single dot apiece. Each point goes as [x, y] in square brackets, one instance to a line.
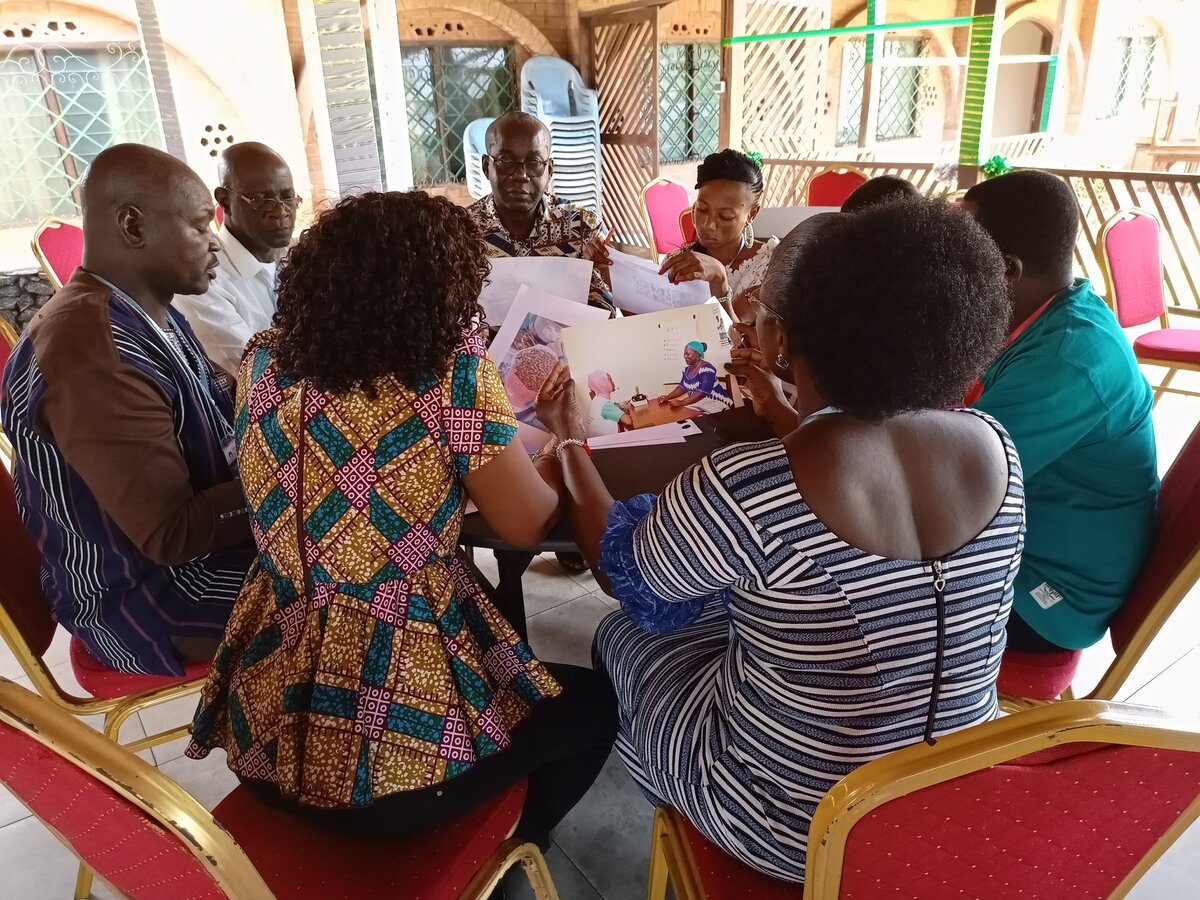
[868, 115]
[979, 98]
[732, 74]
[160, 76]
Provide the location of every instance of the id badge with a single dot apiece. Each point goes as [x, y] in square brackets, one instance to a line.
[230, 450]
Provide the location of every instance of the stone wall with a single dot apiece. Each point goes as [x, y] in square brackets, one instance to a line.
[21, 294]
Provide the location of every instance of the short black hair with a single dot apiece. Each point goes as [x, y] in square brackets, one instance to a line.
[879, 189]
[1032, 215]
[730, 165]
[896, 308]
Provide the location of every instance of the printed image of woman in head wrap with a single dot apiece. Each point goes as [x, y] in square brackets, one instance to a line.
[605, 415]
[699, 387]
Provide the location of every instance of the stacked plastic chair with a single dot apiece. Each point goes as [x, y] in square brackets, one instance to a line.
[474, 149]
[553, 90]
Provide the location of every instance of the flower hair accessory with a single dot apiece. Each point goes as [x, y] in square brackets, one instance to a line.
[756, 156]
[995, 166]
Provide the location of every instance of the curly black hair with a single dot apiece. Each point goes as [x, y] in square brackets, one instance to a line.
[896, 308]
[382, 284]
[730, 165]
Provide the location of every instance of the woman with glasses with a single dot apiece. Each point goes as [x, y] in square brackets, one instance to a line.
[795, 607]
[259, 203]
[365, 679]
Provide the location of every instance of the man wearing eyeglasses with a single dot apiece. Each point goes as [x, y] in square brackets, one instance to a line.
[259, 201]
[520, 217]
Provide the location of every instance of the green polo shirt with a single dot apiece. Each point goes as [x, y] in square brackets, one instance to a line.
[1069, 392]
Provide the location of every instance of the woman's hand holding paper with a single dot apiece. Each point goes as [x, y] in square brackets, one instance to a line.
[688, 265]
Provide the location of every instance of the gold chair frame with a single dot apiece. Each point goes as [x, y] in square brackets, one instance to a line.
[193, 826]
[646, 212]
[9, 336]
[846, 167]
[904, 771]
[45, 225]
[1173, 367]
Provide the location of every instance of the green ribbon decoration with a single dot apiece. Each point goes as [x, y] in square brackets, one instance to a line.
[869, 55]
[995, 166]
[754, 155]
[848, 29]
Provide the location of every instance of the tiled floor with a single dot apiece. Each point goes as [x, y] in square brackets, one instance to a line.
[601, 849]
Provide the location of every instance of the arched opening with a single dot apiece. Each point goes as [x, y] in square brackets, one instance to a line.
[1021, 87]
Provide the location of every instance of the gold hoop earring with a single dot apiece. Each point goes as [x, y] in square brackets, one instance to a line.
[782, 364]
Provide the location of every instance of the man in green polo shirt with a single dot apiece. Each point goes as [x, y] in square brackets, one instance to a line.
[1068, 389]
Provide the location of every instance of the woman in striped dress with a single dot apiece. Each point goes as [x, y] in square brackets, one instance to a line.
[796, 607]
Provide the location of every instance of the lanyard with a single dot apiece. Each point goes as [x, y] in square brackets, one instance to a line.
[219, 426]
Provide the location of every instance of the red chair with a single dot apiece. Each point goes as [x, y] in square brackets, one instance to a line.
[663, 201]
[27, 626]
[148, 838]
[687, 226]
[1132, 266]
[218, 215]
[1077, 799]
[1171, 571]
[8, 340]
[832, 185]
[58, 246]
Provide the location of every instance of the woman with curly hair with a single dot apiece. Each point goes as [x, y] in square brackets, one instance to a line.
[729, 189]
[365, 679]
[796, 607]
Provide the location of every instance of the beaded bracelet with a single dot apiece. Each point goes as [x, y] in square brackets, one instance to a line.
[572, 442]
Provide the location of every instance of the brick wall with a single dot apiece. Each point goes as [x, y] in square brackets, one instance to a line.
[21, 295]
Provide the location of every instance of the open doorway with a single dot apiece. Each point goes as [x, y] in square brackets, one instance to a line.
[1021, 86]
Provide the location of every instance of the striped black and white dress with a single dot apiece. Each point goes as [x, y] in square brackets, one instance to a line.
[759, 658]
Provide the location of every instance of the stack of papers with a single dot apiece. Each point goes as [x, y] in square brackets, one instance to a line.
[568, 277]
[638, 288]
[675, 433]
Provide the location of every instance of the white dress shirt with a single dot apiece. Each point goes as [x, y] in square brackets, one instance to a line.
[239, 303]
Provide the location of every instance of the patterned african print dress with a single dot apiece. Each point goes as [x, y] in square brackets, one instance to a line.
[390, 671]
[759, 658]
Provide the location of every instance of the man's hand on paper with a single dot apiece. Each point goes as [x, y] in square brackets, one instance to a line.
[595, 250]
[688, 265]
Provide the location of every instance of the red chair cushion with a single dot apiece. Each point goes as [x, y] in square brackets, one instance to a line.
[21, 575]
[1040, 676]
[63, 249]
[119, 841]
[299, 859]
[1135, 268]
[832, 188]
[1172, 344]
[724, 878]
[1046, 826]
[105, 683]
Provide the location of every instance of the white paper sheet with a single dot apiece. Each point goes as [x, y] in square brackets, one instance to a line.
[637, 287]
[675, 433]
[534, 301]
[566, 276]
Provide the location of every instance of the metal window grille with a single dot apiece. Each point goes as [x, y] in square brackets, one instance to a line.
[900, 91]
[446, 87]
[61, 106]
[1138, 60]
[688, 103]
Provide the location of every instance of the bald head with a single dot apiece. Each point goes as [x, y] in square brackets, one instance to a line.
[137, 175]
[515, 125]
[258, 198]
[146, 220]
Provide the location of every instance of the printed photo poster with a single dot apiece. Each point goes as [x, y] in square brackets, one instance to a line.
[528, 345]
[655, 369]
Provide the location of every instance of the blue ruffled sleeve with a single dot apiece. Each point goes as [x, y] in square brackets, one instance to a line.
[648, 611]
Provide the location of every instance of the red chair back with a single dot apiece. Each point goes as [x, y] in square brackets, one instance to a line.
[1176, 543]
[831, 187]
[8, 340]
[664, 200]
[1006, 831]
[59, 248]
[1130, 246]
[687, 226]
[219, 215]
[116, 838]
[20, 575]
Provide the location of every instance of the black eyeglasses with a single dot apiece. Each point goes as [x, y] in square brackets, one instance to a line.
[265, 203]
[534, 167]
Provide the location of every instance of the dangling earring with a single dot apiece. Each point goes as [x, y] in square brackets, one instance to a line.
[748, 233]
[782, 364]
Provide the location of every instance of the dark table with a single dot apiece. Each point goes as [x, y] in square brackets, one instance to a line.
[627, 472]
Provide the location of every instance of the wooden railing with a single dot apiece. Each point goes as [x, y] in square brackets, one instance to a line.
[1173, 198]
